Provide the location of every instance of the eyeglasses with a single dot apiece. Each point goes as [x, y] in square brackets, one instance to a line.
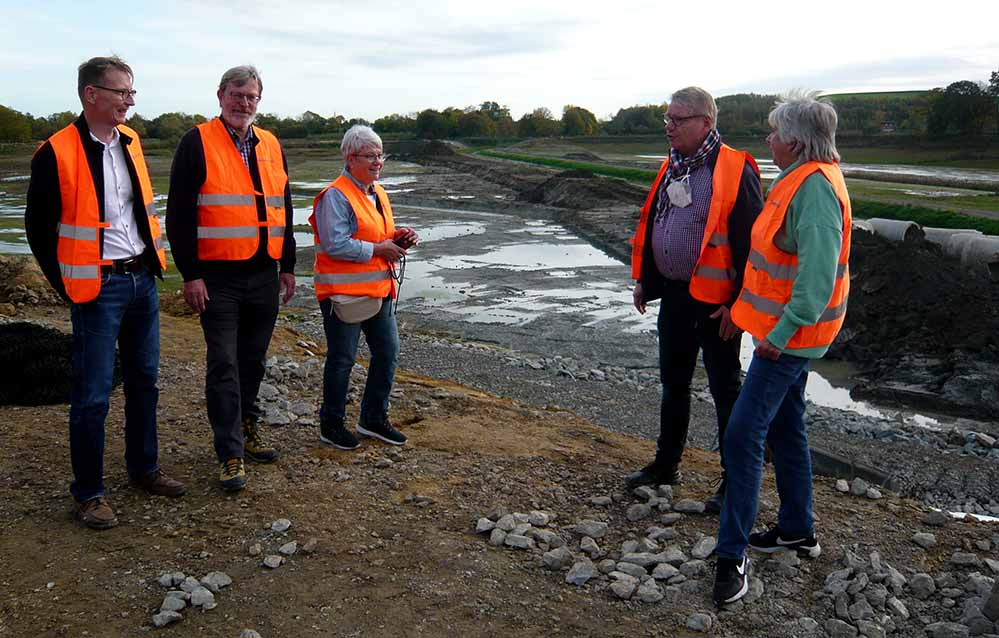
[122, 93]
[240, 97]
[371, 158]
[677, 121]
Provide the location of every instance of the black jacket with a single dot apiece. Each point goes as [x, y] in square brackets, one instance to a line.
[44, 206]
[187, 176]
[748, 205]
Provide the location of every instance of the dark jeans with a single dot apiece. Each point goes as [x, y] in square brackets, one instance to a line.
[127, 310]
[342, 338]
[770, 409]
[684, 328]
[238, 322]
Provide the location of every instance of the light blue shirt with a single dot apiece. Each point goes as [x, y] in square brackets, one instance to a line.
[336, 225]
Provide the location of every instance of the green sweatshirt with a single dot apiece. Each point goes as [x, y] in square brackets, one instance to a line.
[813, 229]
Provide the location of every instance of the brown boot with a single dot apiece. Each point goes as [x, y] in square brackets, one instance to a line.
[96, 513]
[159, 484]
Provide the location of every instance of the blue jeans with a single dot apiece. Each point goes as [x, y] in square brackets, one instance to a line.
[771, 408]
[127, 310]
[342, 338]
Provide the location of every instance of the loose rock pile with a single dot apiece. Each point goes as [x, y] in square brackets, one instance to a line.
[860, 596]
[187, 591]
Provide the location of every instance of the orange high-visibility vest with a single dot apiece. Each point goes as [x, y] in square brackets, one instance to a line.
[771, 272]
[714, 275]
[228, 227]
[79, 247]
[372, 278]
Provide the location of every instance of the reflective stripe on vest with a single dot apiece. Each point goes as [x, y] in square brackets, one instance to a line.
[228, 220]
[770, 276]
[714, 275]
[372, 278]
[782, 271]
[78, 247]
[351, 278]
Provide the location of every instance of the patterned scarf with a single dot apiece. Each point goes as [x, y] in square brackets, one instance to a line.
[681, 165]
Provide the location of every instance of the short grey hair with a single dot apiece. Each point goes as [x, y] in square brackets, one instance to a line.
[800, 116]
[239, 76]
[357, 138]
[699, 101]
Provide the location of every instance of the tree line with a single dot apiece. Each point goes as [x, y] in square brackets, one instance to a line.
[961, 108]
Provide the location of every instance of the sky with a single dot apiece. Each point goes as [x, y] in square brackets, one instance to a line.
[373, 59]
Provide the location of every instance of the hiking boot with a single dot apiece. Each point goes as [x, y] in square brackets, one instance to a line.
[653, 474]
[713, 504]
[773, 539]
[254, 447]
[232, 474]
[338, 436]
[731, 580]
[159, 484]
[96, 513]
[382, 430]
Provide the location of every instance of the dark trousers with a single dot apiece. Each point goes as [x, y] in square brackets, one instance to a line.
[342, 339]
[126, 311]
[684, 328]
[238, 322]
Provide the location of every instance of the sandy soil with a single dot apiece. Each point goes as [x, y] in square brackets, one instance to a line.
[383, 566]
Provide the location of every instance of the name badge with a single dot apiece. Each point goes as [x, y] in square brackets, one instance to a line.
[679, 194]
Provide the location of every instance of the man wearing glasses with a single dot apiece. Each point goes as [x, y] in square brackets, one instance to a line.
[229, 219]
[91, 224]
[690, 252]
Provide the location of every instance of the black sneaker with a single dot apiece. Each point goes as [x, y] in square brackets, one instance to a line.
[731, 579]
[653, 474]
[714, 502]
[338, 436]
[773, 539]
[382, 431]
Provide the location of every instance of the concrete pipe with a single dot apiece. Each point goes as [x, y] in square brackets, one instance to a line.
[982, 251]
[863, 224]
[954, 246]
[939, 236]
[897, 230]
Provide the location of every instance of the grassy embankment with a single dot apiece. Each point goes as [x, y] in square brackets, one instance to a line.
[862, 208]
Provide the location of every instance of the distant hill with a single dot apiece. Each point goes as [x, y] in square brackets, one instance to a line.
[877, 95]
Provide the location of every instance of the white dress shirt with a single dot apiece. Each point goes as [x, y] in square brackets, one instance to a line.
[121, 238]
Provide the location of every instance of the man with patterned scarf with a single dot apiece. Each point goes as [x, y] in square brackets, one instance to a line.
[690, 251]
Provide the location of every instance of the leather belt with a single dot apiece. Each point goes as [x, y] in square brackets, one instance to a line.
[124, 266]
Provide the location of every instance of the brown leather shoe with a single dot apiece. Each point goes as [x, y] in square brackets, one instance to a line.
[159, 484]
[96, 513]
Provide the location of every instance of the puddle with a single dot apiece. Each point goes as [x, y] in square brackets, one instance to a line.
[940, 194]
[319, 185]
[958, 175]
[533, 256]
[827, 383]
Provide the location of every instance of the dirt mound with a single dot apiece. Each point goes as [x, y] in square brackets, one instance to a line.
[585, 156]
[22, 281]
[582, 190]
[38, 368]
[433, 148]
[918, 322]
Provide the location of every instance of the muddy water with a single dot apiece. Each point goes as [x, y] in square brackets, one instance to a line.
[955, 177]
[537, 288]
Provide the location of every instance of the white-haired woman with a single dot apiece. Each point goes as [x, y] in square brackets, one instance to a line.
[357, 248]
[792, 302]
